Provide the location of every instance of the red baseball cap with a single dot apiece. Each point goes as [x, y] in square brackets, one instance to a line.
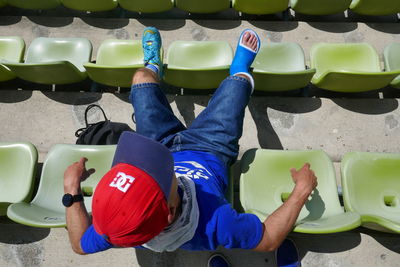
[130, 202]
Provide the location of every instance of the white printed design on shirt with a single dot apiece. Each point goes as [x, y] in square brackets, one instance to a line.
[122, 181]
[193, 171]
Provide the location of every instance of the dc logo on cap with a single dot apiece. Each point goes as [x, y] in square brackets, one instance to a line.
[122, 181]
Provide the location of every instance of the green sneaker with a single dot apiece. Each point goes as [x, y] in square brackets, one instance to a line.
[151, 43]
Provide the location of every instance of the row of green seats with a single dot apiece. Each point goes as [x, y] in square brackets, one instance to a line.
[371, 188]
[350, 67]
[18, 162]
[370, 184]
[311, 7]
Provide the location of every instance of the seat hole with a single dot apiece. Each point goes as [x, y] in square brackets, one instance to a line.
[87, 191]
[285, 196]
[390, 201]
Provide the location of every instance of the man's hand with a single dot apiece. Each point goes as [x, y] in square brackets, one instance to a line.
[278, 225]
[305, 180]
[74, 175]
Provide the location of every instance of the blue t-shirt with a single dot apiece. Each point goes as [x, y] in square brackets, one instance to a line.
[219, 224]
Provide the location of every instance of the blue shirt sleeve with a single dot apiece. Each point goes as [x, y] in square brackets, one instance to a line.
[237, 230]
[92, 242]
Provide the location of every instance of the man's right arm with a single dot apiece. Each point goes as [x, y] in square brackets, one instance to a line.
[78, 219]
[279, 224]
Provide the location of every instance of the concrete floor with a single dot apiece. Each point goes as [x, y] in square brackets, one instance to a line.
[335, 123]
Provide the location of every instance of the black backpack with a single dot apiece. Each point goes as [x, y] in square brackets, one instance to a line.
[101, 133]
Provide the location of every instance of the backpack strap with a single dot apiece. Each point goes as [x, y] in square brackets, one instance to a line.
[79, 131]
[89, 108]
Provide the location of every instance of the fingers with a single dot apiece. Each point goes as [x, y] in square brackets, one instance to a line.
[293, 172]
[87, 173]
[83, 160]
[306, 166]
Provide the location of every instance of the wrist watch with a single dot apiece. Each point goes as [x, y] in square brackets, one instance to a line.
[69, 199]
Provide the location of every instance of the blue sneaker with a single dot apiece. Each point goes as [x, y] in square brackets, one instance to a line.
[217, 260]
[151, 43]
[287, 255]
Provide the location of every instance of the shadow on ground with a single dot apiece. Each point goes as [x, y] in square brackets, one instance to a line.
[388, 240]
[14, 96]
[74, 98]
[14, 233]
[325, 243]
[368, 106]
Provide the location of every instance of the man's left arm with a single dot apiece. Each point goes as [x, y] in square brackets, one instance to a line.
[78, 219]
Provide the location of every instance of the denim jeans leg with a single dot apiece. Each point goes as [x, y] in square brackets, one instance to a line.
[153, 114]
[219, 127]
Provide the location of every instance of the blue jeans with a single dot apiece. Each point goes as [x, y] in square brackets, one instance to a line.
[216, 130]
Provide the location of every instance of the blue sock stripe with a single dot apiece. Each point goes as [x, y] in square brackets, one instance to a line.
[153, 67]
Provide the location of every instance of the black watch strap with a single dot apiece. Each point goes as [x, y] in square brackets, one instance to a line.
[69, 199]
[77, 198]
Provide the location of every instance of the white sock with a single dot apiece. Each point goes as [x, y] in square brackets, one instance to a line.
[152, 67]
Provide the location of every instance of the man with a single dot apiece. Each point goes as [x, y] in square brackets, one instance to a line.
[166, 187]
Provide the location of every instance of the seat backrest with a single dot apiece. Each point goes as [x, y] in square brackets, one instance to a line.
[17, 169]
[58, 159]
[391, 56]
[359, 57]
[320, 7]
[204, 6]
[266, 182]
[371, 183]
[75, 50]
[280, 57]
[36, 4]
[114, 52]
[90, 5]
[11, 48]
[199, 54]
[376, 7]
[260, 7]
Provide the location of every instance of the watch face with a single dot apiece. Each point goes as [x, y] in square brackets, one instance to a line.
[67, 200]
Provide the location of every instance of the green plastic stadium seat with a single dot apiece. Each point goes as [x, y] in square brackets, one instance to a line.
[54, 61]
[46, 209]
[371, 187]
[259, 7]
[149, 6]
[351, 67]
[11, 50]
[17, 173]
[36, 4]
[281, 67]
[117, 61]
[375, 7]
[391, 56]
[319, 7]
[265, 183]
[90, 5]
[204, 6]
[3, 3]
[198, 64]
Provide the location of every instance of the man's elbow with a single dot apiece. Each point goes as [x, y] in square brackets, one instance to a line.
[268, 246]
[78, 250]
